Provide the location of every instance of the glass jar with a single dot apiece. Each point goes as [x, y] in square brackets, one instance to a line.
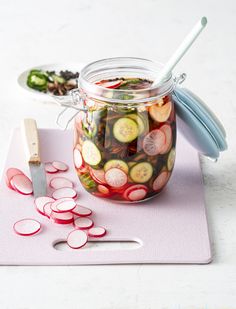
[124, 141]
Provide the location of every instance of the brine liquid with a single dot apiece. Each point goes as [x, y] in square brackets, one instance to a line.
[124, 153]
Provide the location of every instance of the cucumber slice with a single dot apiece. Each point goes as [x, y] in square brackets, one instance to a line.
[118, 164]
[91, 153]
[171, 159]
[131, 163]
[138, 120]
[125, 130]
[58, 79]
[141, 172]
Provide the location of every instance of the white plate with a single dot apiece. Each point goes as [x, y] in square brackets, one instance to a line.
[57, 67]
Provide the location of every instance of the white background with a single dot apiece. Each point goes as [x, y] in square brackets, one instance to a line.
[43, 31]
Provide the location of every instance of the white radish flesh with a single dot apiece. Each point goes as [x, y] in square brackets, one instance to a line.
[56, 202]
[137, 194]
[115, 177]
[49, 168]
[22, 184]
[64, 192]
[62, 218]
[40, 202]
[78, 161]
[60, 182]
[26, 227]
[77, 239]
[81, 211]
[65, 206]
[97, 231]
[83, 223]
[60, 166]
[47, 209]
[10, 173]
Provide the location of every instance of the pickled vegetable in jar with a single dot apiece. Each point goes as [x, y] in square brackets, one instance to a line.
[124, 141]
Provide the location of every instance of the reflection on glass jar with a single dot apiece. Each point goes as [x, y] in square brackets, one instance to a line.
[124, 144]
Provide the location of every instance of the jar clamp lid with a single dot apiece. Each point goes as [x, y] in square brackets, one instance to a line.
[198, 124]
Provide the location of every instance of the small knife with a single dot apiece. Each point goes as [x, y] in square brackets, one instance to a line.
[31, 140]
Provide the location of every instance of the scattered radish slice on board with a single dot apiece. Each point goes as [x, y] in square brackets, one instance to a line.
[60, 200]
[83, 223]
[60, 166]
[47, 209]
[22, 184]
[81, 211]
[10, 173]
[60, 182]
[62, 218]
[97, 231]
[49, 168]
[161, 180]
[153, 142]
[116, 178]
[65, 206]
[26, 227]
[77, 239]
[40, 203]
[78, 161]
[64, 192]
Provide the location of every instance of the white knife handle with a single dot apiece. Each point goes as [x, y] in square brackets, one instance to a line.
[31, 139]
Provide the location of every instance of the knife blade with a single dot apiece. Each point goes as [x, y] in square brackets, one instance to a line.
[37, 171]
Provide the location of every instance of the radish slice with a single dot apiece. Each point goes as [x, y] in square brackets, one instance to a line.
[134, 188]
[60, 166]
[78, 161]
[64, 192]
[65, 206]
[153, 142]
[27, 227]
[47, 209]
[161, 180]
[111, 84]
[40, 203]
[10, 173]
[166, 129]
[98, 175]
[116, 177]
[57, 202]
[103, 189]
[22, 184]
[60, 182]
[62, 218]
[77, 239]
[137, 195]
[97, 231]
[81, 211]
[83, 223]
[49, 168]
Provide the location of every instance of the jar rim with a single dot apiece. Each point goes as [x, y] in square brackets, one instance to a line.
[115, 67]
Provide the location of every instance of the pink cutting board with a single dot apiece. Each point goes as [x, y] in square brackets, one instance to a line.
[171, 228]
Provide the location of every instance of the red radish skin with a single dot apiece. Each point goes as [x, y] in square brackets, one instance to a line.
[60, 182]
[47, 209]
[110, 85]
[98, 176]
[62, 218]
[81, 211]
[65, 206]
[77, 239]
[60, 166]
[10, 173]
[83, 223]
[161, 180]
[22, 184]
[49, 168]
[166, 129]
[60, 200]
[153, 142]
[64, 192]
[78, 160]
[103, 189]
[97, 231]
[116, 178]
[40, 202]
[27, 227]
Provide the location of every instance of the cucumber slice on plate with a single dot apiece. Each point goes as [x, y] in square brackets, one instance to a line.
[125, 130]
[141, 172]
[118, 164]
[91, 153]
